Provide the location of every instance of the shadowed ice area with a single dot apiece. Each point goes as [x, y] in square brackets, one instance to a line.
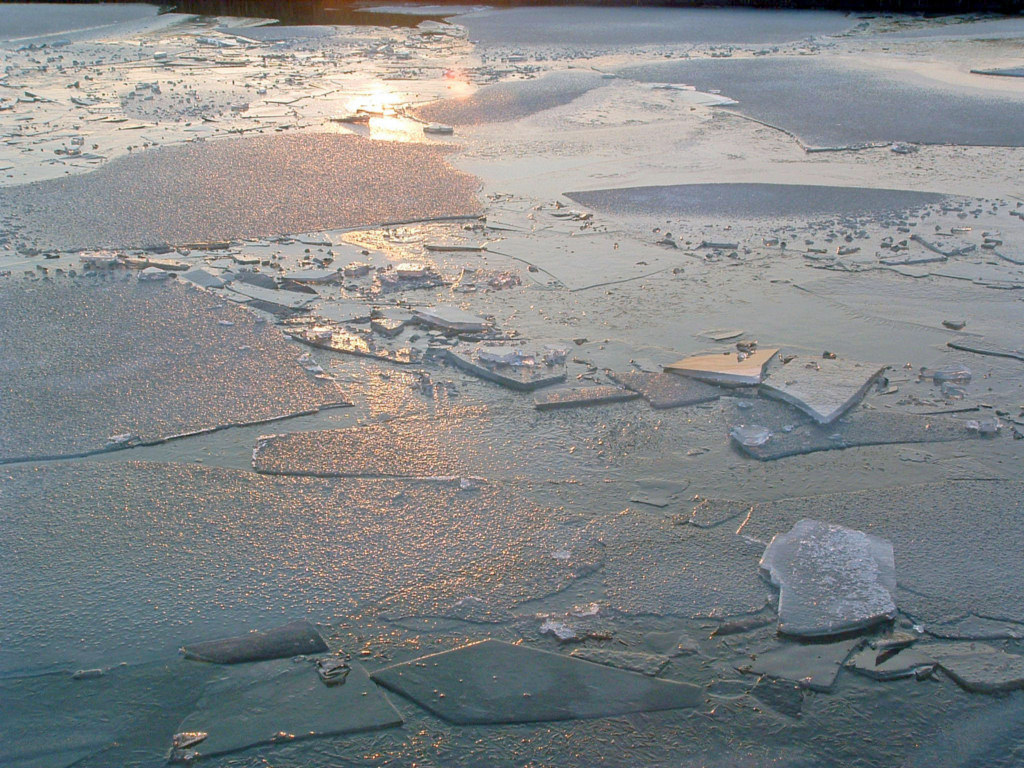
[828, 105]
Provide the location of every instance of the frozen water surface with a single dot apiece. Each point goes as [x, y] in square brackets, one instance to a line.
[31, 20]
[630, 27]
[98, 363]
[798, 95]
[237, 188]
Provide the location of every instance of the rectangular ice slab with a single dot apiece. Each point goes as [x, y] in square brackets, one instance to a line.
[665, 390]
[831, 579]
[979, 667]
[823, 389]
[294, 639]
[496, 682]
[278, 702]
[731, 369]
[579, 396]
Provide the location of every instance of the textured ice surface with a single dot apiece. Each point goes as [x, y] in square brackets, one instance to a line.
[127, 561]
[631, 27]
[932, 538]
[572, 397]
[831, 579]
[511, 101]
[815, 666]
[666, 390]
[293, 639]
[495, 682]
[979, 667]
[879, 665]
[85, 360]
[282, 184]
[751, 201]
[282, 701]
[860, 429]
[798, 94]
[823, 389]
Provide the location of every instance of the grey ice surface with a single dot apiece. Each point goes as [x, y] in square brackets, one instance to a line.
[878, 665]
[632, 27]
[814, 665]
[860, 428]
[573, 397]
[123, 561]
[496, 682]
[30, 20]
[831, 579]
[511, 101]
[293, 639]
[800, 96]
[967, 528]
[95, 363]
[979, 667]
[982, 28]
[282, 701]
[667, 390]
[823, 389]
[751, 201]
[272, 33]
[280, 184]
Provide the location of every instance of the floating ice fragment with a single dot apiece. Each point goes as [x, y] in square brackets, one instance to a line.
[294, 639]
[750, 435]
[831, 579]
[988, 427]
[560, 631]
[959, 373]
[332, 671]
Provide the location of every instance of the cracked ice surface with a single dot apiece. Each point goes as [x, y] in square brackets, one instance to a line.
[87, 360]
[831, 579]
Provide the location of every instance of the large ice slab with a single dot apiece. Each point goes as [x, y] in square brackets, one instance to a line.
[815, 665]
[177, 194]
[727, 368]
[823, 389]
[278, 702]
[831, 579]
[496, 682]
[665, 390]
[882, 104]
[979, 667]
[94, 364]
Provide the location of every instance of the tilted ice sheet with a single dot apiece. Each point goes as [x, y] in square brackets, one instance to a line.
[751, 201]
[87, 359]
[800, 95]
[956, 543]
[112, 562]
[630, 27]
[831, 579]
[238, 188]
[28, 20]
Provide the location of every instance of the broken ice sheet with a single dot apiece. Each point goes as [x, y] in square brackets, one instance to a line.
[727, 368]
[525, 371]
[979, 667]
[860, 428]
[890, 665]
[666, 390]
[823, 389]
[644, 663]
[276, 702]
[573, 397]
[494, 682]
[293, 639]
[831, 579]
[813, 665]
[89, 362]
